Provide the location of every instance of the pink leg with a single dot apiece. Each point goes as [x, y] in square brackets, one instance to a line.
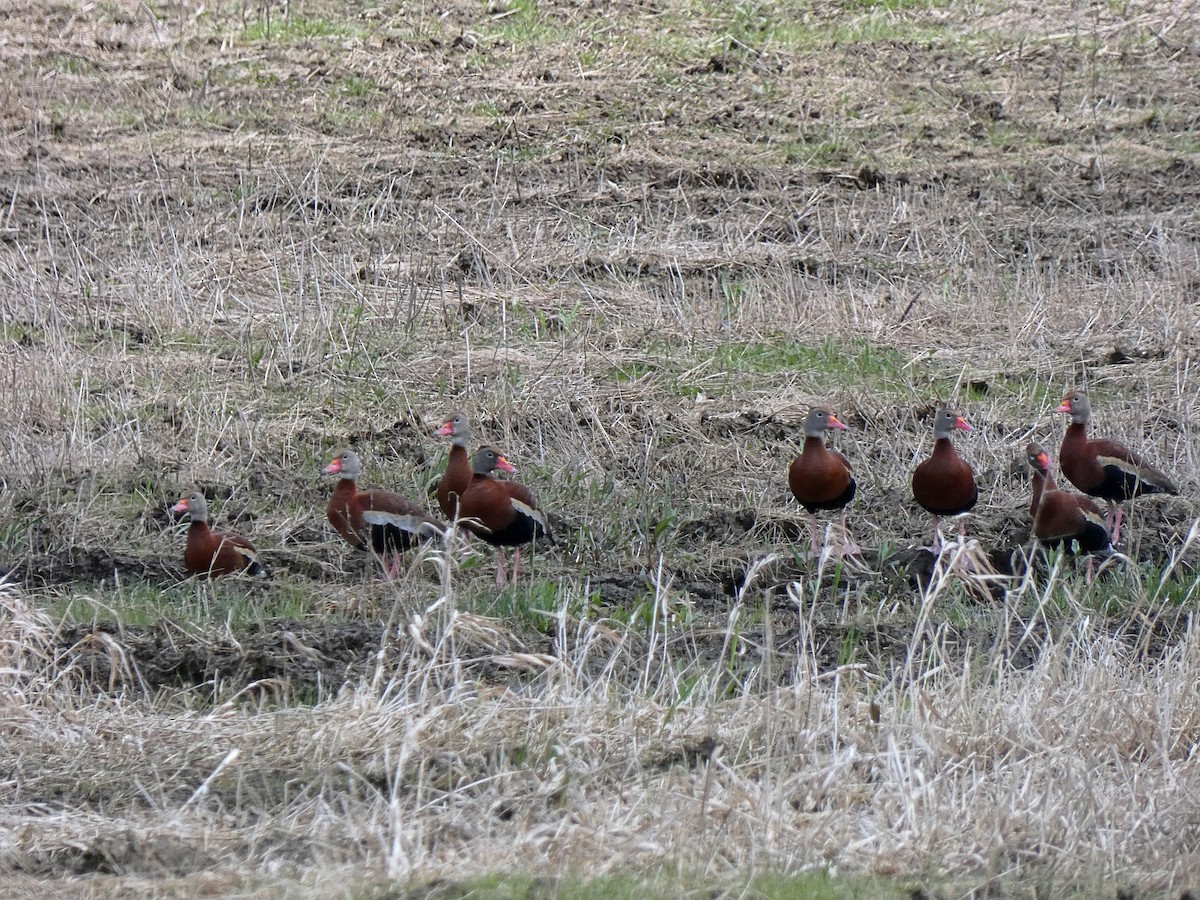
[501, 562]
[849, 548]
[1116, 532]
[964, 562]
[516, 562]
[937, 535]
[814, 528]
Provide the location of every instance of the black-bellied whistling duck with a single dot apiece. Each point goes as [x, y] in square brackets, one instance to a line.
[211, 553]
[944, 484]
[820, 478]
[381, 521]
[1062, 519]
[457, 476]
[1104, 468]
[503, 513]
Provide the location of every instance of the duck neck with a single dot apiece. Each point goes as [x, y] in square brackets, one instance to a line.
[1076, 433]
[458, 467]
[1039, 486]
[943, 447]
[346, 487]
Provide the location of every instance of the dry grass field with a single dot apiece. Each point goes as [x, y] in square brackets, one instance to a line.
[634, 242]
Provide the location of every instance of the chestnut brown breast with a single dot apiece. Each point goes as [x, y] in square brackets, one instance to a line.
[820, 478]
[455, 481]
[944, 484]
[212, 553]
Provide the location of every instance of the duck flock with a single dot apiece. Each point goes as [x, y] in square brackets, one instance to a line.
[504, 513]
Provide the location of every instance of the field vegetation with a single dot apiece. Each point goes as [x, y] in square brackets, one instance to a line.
[634, 242]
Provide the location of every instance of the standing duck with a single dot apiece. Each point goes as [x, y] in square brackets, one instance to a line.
[211, 553]
[502, 513]
[458, 468]
[944, 484]
[1104, 468]
[1061, 518]
[382, 521]
[820, 478]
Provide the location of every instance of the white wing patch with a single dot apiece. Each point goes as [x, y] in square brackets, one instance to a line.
[251, 556]
[1123, 464]
[411, 524]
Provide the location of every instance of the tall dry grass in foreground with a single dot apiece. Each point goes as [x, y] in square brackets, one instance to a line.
[621, 751]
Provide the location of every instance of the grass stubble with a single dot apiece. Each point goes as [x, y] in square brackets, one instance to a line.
[219, 264]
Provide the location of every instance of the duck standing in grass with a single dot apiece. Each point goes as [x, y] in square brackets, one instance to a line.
[944, 484]
[821, 478]
[211, 553]
[502, 513]
[457, 476]
[382, 521]
[1062, 519]
[1104, 468]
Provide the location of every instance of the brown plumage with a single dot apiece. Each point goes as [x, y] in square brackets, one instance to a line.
[503, 513]
[1060, 518]
[821, 478]
[457, 476]
[944, 484]
[381, 521]
[211, 553]
[1105, 468]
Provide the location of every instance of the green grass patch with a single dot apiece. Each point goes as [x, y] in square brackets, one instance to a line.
[1009, 137]
[1026, 389]
[296, 29]
[524, 25]
[651, 611]
[876, 29]
[68, 114]
[856, 359]
[778, 886]
[21, 333]
[1174, 588]
[893, 5]
[238, 602]
[833, 153]
[69, 64]
[355, 86]
[791, 26]
[532, 605]
[636, 370]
